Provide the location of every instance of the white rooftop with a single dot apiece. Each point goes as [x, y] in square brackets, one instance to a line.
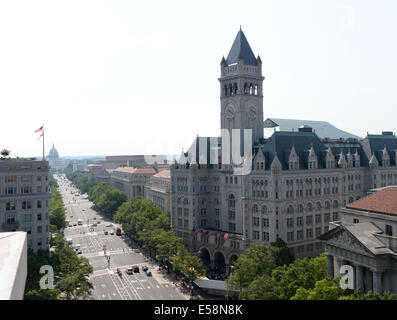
[13, 265]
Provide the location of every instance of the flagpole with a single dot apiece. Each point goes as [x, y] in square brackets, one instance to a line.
[43, 142]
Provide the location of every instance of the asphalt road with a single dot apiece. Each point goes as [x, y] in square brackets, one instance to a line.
[92, 240]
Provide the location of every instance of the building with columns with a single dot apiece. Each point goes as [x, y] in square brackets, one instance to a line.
[364, 239]
[297, 182]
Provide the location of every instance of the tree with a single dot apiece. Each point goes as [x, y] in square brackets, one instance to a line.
[281, 253]
[256, 262]
[190, 266]
[325, 289]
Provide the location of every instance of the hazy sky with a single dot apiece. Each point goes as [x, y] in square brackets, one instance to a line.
[132, 77]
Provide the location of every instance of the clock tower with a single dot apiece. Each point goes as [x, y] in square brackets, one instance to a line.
[241, 90]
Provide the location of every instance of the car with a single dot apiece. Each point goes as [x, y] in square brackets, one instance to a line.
[70, 225]
[94, 218]
[75, 224]
[129, 271]
[77, 247]
[99, 222]
[94, 224]
[79, 251]
[148, 273]
[135, 268]
[145, 268]
[111, 233]
[106, 233]
[109, 225]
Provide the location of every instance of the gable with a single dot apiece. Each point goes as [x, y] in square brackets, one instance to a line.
[344, 239]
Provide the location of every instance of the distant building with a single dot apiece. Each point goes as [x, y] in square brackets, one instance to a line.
[365, 238]
[24, 200]
[157, 189]
[56, 163]
[13, 265]
[132, 180]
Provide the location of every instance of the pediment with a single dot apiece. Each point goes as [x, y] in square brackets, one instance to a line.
[344, 239]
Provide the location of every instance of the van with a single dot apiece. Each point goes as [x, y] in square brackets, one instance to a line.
[77, 247]
[79, 222]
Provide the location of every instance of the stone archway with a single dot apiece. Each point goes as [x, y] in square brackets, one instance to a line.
[219, 261]
[232, 259]
[205, 257]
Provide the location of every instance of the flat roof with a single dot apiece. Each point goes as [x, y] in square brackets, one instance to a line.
[12, 245]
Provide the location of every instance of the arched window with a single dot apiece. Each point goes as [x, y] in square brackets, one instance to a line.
[256, 89]
[290, 209]
[185, 202]
[335, 204]
[245, 88]
[300, 208]
[251, 89]
[264, 209]
[309, 207]
[327, 205]
[318, 206]
[231, 201]
[235, 88]
[254, 208]
[225, 90]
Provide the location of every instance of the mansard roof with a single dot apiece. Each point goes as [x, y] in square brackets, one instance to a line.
[241, 50]
[322, 128]
[283, 142]
[375, 144]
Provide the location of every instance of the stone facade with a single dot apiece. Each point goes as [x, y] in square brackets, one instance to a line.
[24, 200]
[157, 190]
[298, 182]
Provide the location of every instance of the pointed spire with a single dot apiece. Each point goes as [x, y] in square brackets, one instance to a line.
[276, 164]
[329, 152]
[223, 62]
[342, 160]
[373, 161]
[241, 50]
[259, 60]
[385, 153]
[312, 153]
[293, 155]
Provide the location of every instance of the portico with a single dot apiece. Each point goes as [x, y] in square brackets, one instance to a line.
[360, 246]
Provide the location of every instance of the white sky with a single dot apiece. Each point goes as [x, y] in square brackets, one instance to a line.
[140, 77]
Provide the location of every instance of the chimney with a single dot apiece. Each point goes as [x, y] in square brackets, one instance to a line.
[305, 128]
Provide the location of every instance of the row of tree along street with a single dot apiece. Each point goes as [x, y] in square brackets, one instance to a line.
[70, 277]
[266, 272]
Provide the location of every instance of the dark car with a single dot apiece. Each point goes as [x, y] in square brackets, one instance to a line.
[106, 233]
[148, 273]
[135, 268]
[145, 268]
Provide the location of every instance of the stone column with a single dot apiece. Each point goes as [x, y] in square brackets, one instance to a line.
[377, 281]
[330, 266]
[359, 278]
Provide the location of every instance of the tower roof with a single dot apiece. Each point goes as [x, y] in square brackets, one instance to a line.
[241, 50]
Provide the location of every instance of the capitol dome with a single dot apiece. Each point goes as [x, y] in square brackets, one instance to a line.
[53, 154]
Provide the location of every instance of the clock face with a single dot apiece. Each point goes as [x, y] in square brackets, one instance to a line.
[229, 112]
[252, 113]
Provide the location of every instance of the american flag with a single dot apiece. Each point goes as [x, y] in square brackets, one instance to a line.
[40, 129]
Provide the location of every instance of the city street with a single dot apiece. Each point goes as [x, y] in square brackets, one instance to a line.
[120, 253]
